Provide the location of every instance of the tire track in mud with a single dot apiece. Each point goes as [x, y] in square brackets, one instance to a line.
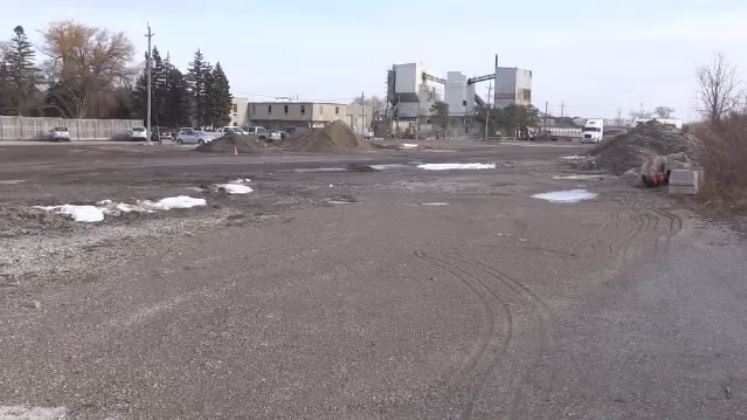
[543, 315]
[492, 344]
[596, 237]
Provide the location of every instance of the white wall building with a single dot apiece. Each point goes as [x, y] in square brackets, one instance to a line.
[513, 86]
[239, 114]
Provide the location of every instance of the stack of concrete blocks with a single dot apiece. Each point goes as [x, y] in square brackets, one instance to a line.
[685, 181]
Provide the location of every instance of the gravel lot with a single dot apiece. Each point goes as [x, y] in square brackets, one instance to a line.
[336, 291]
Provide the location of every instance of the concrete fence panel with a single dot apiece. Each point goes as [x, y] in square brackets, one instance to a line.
[28, 128]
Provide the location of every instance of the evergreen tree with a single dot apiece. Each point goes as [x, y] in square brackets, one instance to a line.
[22, 73]
[5, 94]
[178, 101]
[219, 100]
[198, 77]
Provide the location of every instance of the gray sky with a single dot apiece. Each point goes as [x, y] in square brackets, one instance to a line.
[597, 56]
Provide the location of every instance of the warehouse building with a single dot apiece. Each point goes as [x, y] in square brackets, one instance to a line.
[282, 115]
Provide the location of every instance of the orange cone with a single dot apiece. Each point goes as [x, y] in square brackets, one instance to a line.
[235, 150]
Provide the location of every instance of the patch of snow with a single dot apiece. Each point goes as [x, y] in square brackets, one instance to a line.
[409, 146]
[580, 177]
[455, 166]
[22, 412]
[570, 196]
[12, 181]
[389, 166]
[436, 204]
[85, 214]
[240, 181]
[573, 157]
[111, 208]
[234, 188]
[196, 189]
[178, 202]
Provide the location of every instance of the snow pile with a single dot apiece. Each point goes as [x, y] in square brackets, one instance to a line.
[573, 157]
[111, 208]
[456, 166]
[570, 196]
[234, 188]
[409, 146]
[85, 214]
[178, 202]
[93, 214]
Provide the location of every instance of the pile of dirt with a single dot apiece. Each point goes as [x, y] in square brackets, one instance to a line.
[227, 143]
[642, 148]
[337, 137]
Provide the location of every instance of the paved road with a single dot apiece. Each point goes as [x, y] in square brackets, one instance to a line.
[427, 295]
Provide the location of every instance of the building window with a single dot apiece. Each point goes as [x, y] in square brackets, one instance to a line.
[235, 107]
[526, 95]
[337, 110]
[254, 109]
[269, 109]
[285, 109]
[303, 109]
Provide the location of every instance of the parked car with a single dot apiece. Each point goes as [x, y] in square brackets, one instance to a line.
[59, 134]
[138, 134]
[165, 135]
[190, 136]
[279, 135]
[259, 132]
[234, 129]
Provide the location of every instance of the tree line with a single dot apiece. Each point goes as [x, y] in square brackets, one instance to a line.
[89, 72]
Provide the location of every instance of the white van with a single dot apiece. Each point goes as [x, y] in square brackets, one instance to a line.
[593, 131]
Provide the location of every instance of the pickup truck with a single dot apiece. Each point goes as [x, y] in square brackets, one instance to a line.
[259, 132]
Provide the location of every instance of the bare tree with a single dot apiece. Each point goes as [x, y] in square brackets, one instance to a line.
[377, 104]
[718, 89]
[664, 111]
[87, 65]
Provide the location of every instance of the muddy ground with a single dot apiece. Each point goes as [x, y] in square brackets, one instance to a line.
[333, 291]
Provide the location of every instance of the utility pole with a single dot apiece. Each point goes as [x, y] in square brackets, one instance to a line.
[487, 110]
[149, 109]
[363, 114]
[547, 106]
[562, 109]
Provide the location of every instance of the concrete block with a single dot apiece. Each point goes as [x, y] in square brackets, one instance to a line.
[686, 177]
[683, 189]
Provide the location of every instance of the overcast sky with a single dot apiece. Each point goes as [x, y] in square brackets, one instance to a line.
[596, 56]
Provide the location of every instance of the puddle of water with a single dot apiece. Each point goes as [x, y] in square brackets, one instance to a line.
[570, 196]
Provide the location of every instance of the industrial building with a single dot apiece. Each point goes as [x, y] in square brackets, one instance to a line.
[413, 89]
[281, 115]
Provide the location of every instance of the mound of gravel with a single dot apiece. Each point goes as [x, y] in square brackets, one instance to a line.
[639, 146]
[336, 137]
[226, 144]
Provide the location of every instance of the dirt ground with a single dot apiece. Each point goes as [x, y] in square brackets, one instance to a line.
[337, 291]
